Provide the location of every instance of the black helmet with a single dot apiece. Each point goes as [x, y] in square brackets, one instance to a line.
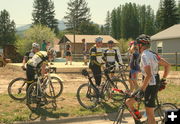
[110, 42]
[144, 40]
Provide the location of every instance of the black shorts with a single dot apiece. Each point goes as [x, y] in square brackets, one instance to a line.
[151, 94]
[68, 53]
[111, 66]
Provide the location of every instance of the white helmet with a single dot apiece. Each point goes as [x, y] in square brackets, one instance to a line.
[99, 39]
[35, 45]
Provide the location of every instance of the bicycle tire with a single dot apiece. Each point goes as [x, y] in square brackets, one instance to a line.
[119, 116]
[119, 84]
[160, 111]
[52, 86]
[16, 93]
[33, 102]
[89, 93]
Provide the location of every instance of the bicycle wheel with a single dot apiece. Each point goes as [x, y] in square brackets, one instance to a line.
[160, 111]
[87, 97]
[119, 116]
[17, 89]
[33, 101]
[54, 88]
[121, 85]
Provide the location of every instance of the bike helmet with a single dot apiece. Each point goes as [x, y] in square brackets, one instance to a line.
[144, 40]
[35, 45]
[50, 51]
[98, 39]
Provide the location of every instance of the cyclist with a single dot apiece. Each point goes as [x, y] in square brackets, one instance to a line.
[134, 66]
[96, 60]
[111, 56]
[149, 68]
[30, 54]
[38, 62]
[68, 53]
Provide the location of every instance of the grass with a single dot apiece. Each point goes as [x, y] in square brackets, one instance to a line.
[68, 106]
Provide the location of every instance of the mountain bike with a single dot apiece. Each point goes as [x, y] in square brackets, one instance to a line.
[159, 110]
[17, 87]
[89, 95]
[42, 90]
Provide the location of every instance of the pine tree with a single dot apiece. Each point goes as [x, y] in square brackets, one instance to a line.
[159, 19]
[118, 12]
[114, 24]
[169, 14]
[77, 14]
[107, 26]
[44, 14]
[179, 10]
[142, 18]
[149, 24]
[7, 29]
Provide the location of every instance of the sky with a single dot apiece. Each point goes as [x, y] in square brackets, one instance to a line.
[21, 10]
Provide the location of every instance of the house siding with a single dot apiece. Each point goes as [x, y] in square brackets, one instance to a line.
[170, 47]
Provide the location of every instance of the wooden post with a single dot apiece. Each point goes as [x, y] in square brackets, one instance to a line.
[176, 61]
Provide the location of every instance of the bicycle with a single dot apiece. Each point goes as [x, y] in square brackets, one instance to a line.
[159, 110]
[42, 89]
[89, 95]
[17, 87]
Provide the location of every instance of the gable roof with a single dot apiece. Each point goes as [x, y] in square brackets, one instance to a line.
[169, 33]
[88, 38]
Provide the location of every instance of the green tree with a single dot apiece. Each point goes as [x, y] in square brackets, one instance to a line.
[179, 10]
[159, 19]
[77, 13]
[7, 29]
[169, 14]
[89, 28]
[142, 18]
[44, 14]
[114, 24]
[107, 26]
[149, 23]
[118, 12]
[37, 33]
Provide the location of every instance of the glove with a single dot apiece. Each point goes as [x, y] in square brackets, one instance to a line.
[138, 94]
[162, 84]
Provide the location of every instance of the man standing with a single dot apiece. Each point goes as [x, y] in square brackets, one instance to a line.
[30, 54]
[111, 56]
[84, 51]
[96, 61]
[68, 53]
[43, 46]
[149, 67]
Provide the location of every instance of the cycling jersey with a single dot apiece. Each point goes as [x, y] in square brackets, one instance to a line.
[111, 55]
[96, 56]
[68, 46]
[149, 58]
[37, 60]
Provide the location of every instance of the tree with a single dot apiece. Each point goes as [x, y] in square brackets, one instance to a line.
[149, 28]
[179, 10]
[114, 24]
[107, 26]
[159, 19]
[44, 14]
[7, 29]
[77, 13]
[89, 28]
[169, 14]
[37, 33]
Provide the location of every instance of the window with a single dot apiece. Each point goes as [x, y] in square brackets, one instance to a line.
[159, 46]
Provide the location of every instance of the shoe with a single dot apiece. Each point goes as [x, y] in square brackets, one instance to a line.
[66, 64]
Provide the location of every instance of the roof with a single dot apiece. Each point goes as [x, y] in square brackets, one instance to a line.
[88, 38]
[169, 33]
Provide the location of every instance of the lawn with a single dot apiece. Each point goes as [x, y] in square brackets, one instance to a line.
[68, 106]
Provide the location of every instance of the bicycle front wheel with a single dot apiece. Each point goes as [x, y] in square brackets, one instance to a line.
[32, 97]
[17, 89]
[160, 110]
[86, 96]
[54, 88]
[121, 85]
